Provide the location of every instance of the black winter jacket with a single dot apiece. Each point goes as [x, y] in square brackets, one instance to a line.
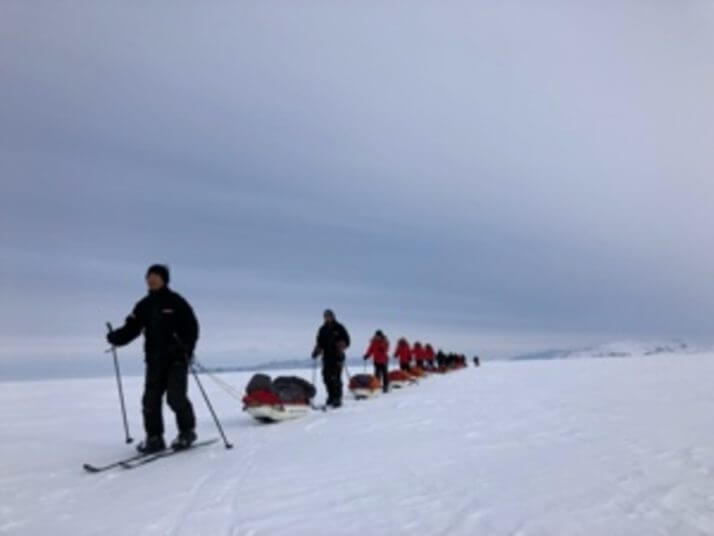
[169, 325]
[332, 339]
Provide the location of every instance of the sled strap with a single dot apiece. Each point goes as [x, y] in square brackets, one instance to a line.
[228, 388]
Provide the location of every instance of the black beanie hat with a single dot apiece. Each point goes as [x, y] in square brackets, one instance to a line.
[161, 270]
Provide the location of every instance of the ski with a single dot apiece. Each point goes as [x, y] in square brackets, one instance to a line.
[90, 468]
[143, 460]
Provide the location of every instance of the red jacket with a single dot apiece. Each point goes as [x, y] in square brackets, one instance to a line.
[403, 352]
[379, 350]
[429, 353]
[418, 352]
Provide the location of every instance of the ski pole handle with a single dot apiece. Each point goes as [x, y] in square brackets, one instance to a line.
[110, 329]
[117, 372]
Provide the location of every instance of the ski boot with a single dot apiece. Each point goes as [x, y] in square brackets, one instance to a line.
[184, 440]
[151, 445]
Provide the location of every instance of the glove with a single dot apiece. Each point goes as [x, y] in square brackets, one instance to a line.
[187, 352]
[112, 338]
[182, 350]
[366, 357]
[315, 353]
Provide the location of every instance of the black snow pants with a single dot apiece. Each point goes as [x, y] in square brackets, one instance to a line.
[381, 373]
[332, 376]
[170, 377]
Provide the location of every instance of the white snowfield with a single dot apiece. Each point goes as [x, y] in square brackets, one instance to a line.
[601, 447]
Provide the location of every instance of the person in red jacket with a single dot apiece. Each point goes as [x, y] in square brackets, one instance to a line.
[429, 356]
[404, 354]
[418, 354]
[379, 352]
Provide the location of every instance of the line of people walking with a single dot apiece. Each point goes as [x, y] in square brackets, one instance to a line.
[171, 332]
[333, 340]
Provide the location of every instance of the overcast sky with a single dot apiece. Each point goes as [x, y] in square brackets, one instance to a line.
[495, 177]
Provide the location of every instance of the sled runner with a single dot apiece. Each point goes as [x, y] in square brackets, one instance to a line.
[417, 372]
[399, 379]
[282, 399]
[364, 386]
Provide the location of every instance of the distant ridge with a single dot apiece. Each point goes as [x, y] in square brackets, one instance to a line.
[277, 365]
[615, 349]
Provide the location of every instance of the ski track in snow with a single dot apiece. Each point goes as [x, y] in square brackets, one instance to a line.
[542, 448]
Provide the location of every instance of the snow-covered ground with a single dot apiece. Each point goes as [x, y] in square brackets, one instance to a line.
[581, 447]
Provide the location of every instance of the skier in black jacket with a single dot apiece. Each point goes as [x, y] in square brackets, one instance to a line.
[440, 359]
[332, 341]
[170, 333]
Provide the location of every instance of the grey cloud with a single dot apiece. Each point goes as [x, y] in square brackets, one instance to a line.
[470, 170]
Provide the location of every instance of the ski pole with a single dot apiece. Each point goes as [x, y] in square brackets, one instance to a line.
[349, 378]
[121, 390]
[210, 408]
[314, 379]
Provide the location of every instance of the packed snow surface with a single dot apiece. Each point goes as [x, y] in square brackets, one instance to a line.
[582, 447]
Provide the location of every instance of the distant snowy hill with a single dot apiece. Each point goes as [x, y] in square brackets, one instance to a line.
[616, 349]
[293, 364]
